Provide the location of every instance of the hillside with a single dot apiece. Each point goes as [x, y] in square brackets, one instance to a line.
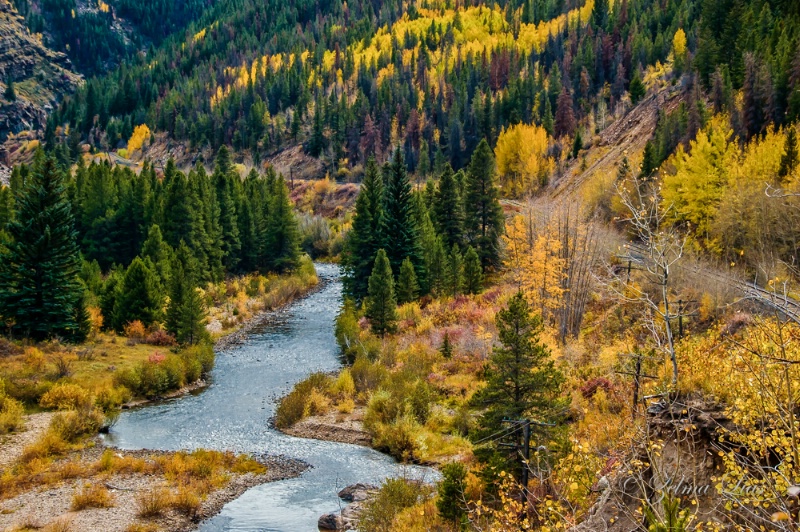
[39, 76]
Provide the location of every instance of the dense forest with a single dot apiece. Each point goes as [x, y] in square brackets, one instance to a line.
[433, 79]
[126, 240]
[567, 230]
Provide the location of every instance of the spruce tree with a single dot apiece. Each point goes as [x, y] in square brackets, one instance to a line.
[521, 379]
[473, 275]
[446, 349]
[399, 231]
[39, 287]
[283, 235]
[448, 209]
[225, 189]
[437, 275]
[358, 256]
[381, 305]
[789, 158]
[186, 312]
[159, 253]
[484, 221]
[637, 88]
[6, 206]
[112, 288]
[455, 272]
[139, 296]
[407, 286]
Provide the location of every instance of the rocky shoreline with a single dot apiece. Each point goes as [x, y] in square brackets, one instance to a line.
[239, 336]
[51, 504]
[340, 428]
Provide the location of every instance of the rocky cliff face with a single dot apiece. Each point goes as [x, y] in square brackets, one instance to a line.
[40, 76]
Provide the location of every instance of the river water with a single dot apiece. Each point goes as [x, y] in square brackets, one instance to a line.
[233, 414]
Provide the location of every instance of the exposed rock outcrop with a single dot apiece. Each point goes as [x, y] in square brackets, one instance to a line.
[40, 76]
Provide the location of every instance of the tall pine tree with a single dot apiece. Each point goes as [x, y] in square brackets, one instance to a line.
[521, 380]
[381, 305]
[363, 240]
[399, 231]
[40, 294]
[484, 221]
[448, 209]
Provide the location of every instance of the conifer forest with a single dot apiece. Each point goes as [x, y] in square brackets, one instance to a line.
[488, 265]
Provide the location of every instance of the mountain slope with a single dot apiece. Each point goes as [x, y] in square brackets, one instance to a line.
[39, 76]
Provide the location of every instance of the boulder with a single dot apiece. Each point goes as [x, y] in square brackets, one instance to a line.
[330, 522]
[357, 492]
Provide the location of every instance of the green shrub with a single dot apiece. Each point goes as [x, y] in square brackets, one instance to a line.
[156, 377]
[367, 375]
[192, 367]
[11, 412]
[347, 330]
[71, 425]
[295, 406]
[395, 495]
[398, 438]
[176, 373]
[344, 385]
[451, 492]
[111, 398]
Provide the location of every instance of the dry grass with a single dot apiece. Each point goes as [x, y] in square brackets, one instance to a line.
[92, 496]
[59, 525]
[187, 501]
[142, 527]
[152, 503]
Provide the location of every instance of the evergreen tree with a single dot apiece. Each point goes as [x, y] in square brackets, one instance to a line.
[446, 349]
[159, 253]
[484, 222]
[600, 14]
[407, 286]
[473, 274]
[455, 272]
[521, 379]
[139, 296]
[637, 88]
[451, 489]
[649, 163]
[283, 235]
[437, 275]
[381, 305]
[112, 288]
[39, 288]
[10, 94]
[6, 206]
[399, 231]
[448, 209]
[577, 144]
[789, 158]
[225, 187]
[186, 312]
[358, 255]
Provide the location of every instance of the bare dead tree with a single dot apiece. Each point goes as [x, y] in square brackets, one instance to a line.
[658, 251]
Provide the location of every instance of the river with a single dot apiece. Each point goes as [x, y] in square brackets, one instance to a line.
[233, 413]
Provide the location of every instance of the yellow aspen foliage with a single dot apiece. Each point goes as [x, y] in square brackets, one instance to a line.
[535, 263]
[679, 43]
[692, 193]
[522, 161]
[140, 134]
